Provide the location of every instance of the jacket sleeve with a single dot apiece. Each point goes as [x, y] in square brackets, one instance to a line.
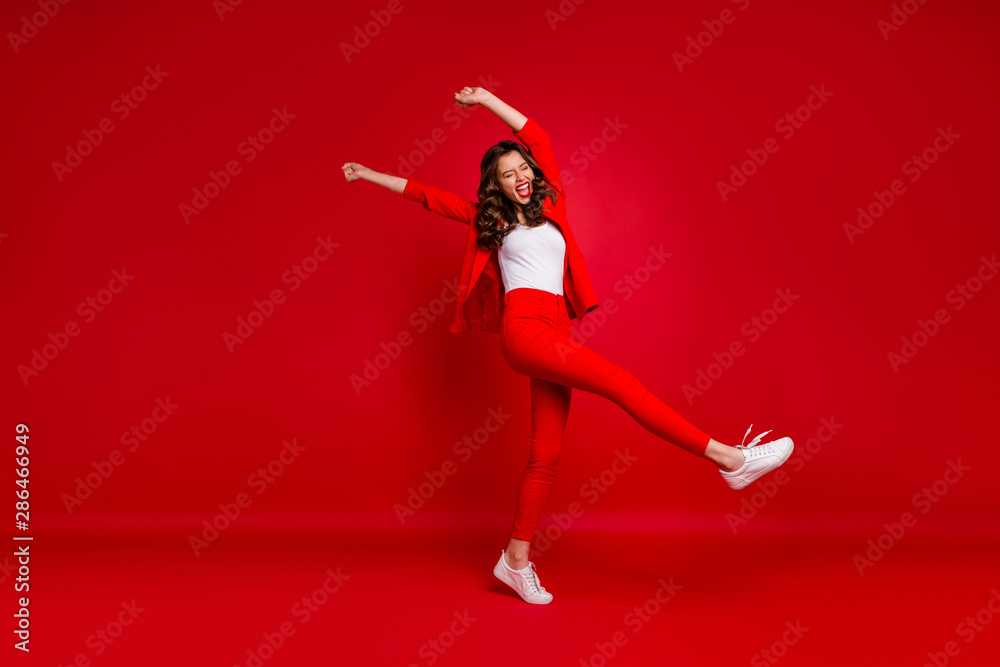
[537, 140]
[441, 201]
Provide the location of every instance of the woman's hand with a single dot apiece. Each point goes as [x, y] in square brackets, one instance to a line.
[354, 171]
[468, 97]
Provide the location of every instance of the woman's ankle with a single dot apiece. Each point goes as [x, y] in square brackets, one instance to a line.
[516, 552]
[735, 461]
[516, 562]
[725, 457]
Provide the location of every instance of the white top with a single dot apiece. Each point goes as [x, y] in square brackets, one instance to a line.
[533, 257]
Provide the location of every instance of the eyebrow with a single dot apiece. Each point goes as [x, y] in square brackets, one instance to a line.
[520, 165]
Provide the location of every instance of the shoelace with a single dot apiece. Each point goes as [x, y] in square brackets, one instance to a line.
[532, 578]
[757, 451]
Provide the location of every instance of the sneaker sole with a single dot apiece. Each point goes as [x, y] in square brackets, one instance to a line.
[745, 483]
[500, 574]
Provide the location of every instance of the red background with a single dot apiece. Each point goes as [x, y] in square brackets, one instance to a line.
[654, 184]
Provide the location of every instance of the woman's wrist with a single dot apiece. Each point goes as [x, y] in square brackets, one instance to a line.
[489, 100]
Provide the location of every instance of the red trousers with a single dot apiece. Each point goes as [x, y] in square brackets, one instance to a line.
[535, 341]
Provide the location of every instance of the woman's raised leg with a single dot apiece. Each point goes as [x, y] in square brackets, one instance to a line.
[548, 353]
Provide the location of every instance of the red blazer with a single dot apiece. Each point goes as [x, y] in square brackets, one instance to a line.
[479, 306]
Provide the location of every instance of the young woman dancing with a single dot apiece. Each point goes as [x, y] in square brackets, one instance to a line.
[523, 276]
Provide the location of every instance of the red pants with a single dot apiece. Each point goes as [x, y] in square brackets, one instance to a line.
[535, 341]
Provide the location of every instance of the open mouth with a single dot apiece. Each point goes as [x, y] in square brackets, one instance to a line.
[524, 189]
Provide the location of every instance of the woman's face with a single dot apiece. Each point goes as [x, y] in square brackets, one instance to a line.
[514, 175]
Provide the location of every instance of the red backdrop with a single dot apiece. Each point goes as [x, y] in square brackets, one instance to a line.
[184, 205]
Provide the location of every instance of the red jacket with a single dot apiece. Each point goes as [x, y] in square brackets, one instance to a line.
[480, 307]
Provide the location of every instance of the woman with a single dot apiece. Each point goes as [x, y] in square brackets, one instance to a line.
[523, 276]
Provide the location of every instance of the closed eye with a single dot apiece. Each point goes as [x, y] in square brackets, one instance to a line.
[510, 172]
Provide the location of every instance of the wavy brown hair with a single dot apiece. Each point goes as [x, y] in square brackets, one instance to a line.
[494, 206]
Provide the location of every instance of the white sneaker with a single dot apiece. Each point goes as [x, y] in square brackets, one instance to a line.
[760, 459]
[524, 581]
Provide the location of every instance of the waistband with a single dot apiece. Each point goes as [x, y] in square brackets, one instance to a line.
[533, 295]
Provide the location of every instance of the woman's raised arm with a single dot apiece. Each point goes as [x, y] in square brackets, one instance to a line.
[436, 200]
[354, 171]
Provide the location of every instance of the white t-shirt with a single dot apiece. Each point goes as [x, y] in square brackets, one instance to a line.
[533, 257]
